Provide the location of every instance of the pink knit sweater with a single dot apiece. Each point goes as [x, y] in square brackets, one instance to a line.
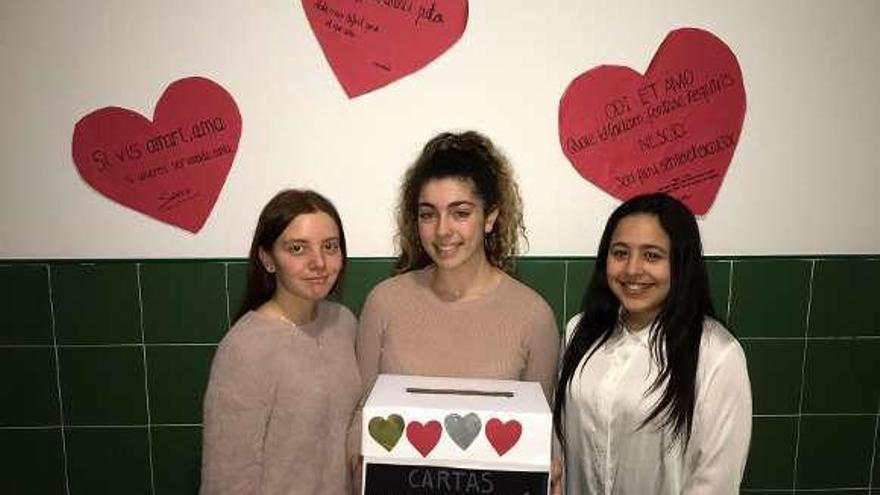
[509, 333]
[278, 405]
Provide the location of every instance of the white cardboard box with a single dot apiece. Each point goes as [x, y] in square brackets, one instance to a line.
[425, 435]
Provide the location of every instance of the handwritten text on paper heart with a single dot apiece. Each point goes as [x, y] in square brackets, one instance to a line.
[673, 130]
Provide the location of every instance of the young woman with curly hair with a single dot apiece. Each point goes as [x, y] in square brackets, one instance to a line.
[453, 309]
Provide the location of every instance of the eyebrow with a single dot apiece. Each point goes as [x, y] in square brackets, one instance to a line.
[454, 204]
[306, 241]
[643, 246]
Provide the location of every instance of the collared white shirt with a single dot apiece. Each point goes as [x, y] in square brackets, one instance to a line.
[608, 454]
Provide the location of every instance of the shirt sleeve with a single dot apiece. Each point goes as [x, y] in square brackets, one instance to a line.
[719, 445]
[368, 348]
[238, 404]
[543, 352]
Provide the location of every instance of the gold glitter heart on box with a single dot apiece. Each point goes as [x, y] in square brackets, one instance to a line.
[386, 432]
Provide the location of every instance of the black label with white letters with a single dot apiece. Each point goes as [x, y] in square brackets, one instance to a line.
[397, 479]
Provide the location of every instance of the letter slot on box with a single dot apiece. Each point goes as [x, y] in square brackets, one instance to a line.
[430, 435]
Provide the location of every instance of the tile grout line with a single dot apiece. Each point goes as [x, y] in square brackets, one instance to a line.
[874, 449]
[797, 442]
[102, 346]
[564, 301]
[805, 490]
[29, 346]
[58, 378]
[835, 415]
[146, 380]
[226, 289]
[101, 427]
[816, 415]
[44, 427]
[816, 339]
[729, 292]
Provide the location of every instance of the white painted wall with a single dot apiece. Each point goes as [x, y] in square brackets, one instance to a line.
[804, 178]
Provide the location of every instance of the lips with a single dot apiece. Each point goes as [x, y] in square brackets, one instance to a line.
[446, 250]
[635, 289]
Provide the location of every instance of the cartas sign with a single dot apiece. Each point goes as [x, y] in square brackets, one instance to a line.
[395, 479]
[672, 130]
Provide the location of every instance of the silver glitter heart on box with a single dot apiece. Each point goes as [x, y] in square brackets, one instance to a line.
[463, 430]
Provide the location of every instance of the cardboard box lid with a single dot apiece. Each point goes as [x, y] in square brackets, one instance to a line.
[498, 424]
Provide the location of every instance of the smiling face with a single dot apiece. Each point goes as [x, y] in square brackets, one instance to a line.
[453, 223]
[306, 258]
[638, 268]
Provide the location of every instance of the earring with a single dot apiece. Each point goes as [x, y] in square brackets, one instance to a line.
[270, 268]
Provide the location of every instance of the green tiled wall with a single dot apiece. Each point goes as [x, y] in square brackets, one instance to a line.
[104, 365]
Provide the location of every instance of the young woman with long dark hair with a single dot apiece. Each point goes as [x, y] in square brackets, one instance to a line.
[653, 395]
[284, 382]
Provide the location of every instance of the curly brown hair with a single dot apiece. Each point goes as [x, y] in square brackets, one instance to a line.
[473, 157]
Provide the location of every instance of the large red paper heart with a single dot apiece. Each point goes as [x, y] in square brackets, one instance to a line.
[503, 436]
[372, 43]
[672, 130]
[172, 168]
[423, 437]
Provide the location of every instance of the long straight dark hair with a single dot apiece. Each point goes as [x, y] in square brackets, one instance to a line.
[282, 209]
[675, 333]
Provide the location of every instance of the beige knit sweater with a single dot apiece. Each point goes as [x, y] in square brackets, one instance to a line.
[509, 333]
[278, 405]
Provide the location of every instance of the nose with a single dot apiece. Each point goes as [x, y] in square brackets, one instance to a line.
[442, 225]
[317, 261]
[633, 265]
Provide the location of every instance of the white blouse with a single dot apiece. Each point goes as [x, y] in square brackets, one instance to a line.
[607, 453]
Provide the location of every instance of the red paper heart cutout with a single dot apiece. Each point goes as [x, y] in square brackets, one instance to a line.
[423, 437]
[672, 130]
[503, 436]
[372, 43]
[172, 168]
